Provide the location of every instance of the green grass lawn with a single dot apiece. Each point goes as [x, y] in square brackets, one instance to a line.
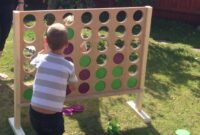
[172, 94]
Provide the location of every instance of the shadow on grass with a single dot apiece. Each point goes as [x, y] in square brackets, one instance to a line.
[175, 32]
[89, 120]
[168, 67]
[6, 107]
[149, 130]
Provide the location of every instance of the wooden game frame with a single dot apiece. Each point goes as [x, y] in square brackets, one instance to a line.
[19, 44]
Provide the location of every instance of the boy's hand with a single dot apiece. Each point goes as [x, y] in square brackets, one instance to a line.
[72, 86]
[40, 52]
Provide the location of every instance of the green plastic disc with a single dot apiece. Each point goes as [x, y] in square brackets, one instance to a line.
[132, 82]
[182, 132]
[116, 84]
[85, 61]
[117, 71]
[70, 33]
[28, 94]
[100, 86]
[101, 73]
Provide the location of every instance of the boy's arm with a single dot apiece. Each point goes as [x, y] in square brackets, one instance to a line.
[72, 80]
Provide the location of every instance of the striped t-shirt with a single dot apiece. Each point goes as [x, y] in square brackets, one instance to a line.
[51, 79]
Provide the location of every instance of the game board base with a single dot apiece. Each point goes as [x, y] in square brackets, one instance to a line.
[141, 114]
[17, 131]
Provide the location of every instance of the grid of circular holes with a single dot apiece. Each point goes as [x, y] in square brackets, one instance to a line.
[101, 59]
[104, 17]
[137, 16]
[133, 56]
[29, 51]
[102, 45]
[86, 33]
[135, 43]
[86, 17]
[103, 32]
[29, 20]
[29, 36]
[49, 19]
[136, 29]
[119, 44]
[85, 47]
[68, 19]
[132, 69]
[120, 31]
[121, 16]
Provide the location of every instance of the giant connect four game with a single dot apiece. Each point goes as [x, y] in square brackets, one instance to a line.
[107, 45]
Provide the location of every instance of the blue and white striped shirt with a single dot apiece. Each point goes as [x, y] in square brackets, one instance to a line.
[51, 79]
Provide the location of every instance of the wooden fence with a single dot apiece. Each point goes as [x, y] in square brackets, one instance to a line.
[185, 10]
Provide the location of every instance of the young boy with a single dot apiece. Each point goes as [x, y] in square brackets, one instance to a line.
[51, 79]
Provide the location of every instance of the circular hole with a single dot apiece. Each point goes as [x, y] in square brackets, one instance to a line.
[84, 74]
[100, 86]
[29, 20]
[118, 58]
[101, 59]
[133, 57]
[117, 71]
[85, 47]
[84, 88]
[132, 69]
[104, 16]
[29, 79]
[119, 44]
[85, 61]
[101, 73]
[69, 49]
[137, 15]
[86, 17]
[102, 45]
[116, 84]
[136, 29]
[28, 68]
[29, 51]
[132, 82]
[27, 94]
[86, 33]
[69, 59]
[68, 19]
[103, 32]
[70, 33]
[68, 90]
[121, 16]
[29, 36]
[120, 30]
[135, 43]
[49, 19]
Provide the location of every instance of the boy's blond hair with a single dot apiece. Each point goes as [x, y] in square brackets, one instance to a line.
[56, 36]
